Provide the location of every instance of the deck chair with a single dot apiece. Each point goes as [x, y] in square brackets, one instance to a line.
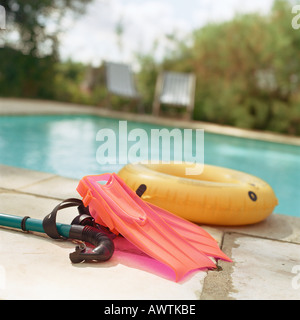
[176, 89]
[2, 18]
[120, 82]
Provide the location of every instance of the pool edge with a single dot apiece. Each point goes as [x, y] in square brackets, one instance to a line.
[13, 106]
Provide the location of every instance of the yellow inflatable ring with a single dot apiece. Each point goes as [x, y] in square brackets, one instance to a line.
[218, 196]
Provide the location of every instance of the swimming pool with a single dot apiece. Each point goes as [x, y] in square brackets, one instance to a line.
[67, 146]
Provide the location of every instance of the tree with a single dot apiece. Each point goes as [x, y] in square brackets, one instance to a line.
[31, 20]
[31, 42]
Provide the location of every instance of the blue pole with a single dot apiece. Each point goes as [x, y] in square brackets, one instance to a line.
[33, 225]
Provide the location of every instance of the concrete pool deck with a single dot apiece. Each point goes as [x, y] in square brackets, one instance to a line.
[266, 256]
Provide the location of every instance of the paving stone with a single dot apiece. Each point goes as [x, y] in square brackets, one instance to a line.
[15, 178]
[56, 187]
[39, 268]
[35, 267]
[33, 206]
[278, 227]
[262, 269]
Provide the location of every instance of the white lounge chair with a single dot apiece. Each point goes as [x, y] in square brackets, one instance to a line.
[2, 18]
[120, 81]
[176, 89]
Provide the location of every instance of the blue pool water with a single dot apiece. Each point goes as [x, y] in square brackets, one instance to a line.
[67, 146]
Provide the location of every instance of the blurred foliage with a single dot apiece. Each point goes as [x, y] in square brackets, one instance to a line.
[30, 19]
[26, 75]
[248, 69]
[29, 46]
